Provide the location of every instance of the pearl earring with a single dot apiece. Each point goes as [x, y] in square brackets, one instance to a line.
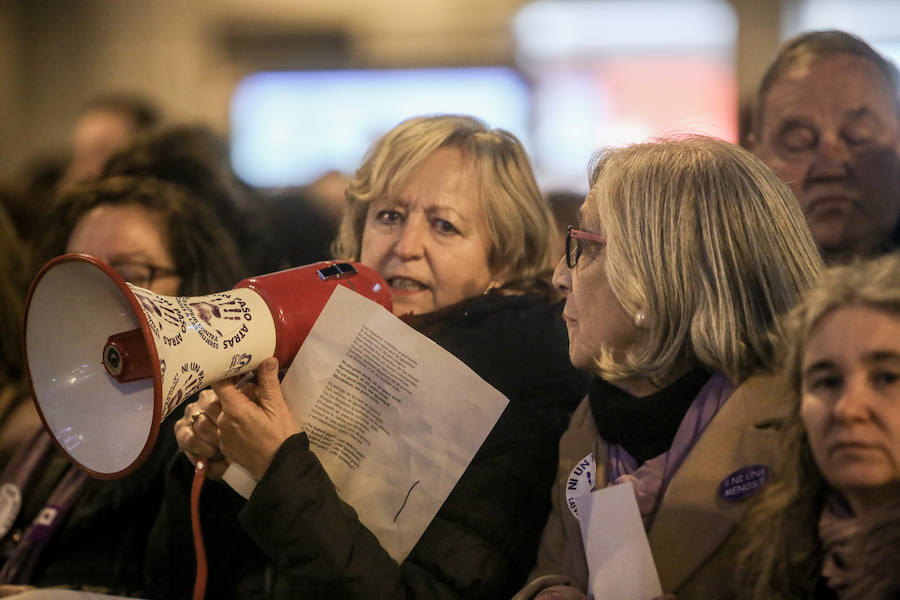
[639, 319]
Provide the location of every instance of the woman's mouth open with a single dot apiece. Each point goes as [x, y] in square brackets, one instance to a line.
[401, 286]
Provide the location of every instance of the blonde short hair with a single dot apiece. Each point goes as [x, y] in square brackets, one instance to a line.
[708, 243]
[518, 221]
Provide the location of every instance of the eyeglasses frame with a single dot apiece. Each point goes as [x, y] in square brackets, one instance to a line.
[579, 234]
[156, 271]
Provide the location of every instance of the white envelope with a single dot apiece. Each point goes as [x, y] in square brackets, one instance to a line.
[620, 563]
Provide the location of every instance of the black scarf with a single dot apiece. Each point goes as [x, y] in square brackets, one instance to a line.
[645, 426]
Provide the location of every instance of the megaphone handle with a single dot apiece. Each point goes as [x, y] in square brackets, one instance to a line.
[199, 549]
[240, 480]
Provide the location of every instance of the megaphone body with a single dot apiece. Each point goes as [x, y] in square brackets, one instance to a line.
[108, 361]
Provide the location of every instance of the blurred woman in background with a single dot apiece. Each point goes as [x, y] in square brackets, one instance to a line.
[157, 237]
[195, 158]
[16, 412]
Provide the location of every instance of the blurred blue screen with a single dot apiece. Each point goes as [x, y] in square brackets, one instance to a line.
[288, 128]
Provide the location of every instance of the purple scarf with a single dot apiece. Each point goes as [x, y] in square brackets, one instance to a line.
[27, 465]
[651, 479]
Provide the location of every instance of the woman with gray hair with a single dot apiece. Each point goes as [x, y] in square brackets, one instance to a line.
[830, 526]
[448, 212]
[687, 252]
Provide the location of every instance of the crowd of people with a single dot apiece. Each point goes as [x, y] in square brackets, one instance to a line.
[717, 326]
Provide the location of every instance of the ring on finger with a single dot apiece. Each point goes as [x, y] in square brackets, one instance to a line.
[196, 416]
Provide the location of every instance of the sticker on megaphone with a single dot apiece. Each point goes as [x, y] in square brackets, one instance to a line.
[108, 361]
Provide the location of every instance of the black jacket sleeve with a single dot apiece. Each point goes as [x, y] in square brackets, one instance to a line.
[480, 544]
[295, 538]
[236, 568]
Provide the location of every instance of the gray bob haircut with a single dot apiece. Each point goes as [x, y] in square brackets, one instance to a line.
[709, 244]
[518, 222]
[814, 46]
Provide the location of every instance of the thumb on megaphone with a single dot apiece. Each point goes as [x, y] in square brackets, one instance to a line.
[255, 420]
[268, 393]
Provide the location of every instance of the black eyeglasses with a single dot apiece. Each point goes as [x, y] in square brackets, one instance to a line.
[142, 274]
[574, 246]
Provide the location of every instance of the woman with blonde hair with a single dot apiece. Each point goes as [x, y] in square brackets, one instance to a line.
[518, 225]
[448, 212]
[830, 525]
[687, 251]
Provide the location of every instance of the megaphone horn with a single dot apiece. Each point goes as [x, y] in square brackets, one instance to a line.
[108, 361]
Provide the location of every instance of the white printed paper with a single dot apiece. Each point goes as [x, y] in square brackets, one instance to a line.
[619, 560]
[394, 418]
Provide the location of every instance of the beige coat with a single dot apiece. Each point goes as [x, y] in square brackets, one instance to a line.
[691, 536]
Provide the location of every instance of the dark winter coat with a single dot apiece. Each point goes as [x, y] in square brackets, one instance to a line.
[296, 538]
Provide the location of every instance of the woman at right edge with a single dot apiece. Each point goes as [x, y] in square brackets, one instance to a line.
[687, 252]
[830, 528]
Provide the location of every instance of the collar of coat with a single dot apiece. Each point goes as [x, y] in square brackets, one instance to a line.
[692, 521]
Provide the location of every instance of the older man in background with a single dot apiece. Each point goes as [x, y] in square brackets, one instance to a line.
[827, 120]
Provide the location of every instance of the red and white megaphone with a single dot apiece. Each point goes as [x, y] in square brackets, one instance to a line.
[108, 361]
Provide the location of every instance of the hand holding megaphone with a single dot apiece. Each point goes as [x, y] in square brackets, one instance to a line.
[108, 361]
[236, 428]
[255, 420]
[197, 433]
